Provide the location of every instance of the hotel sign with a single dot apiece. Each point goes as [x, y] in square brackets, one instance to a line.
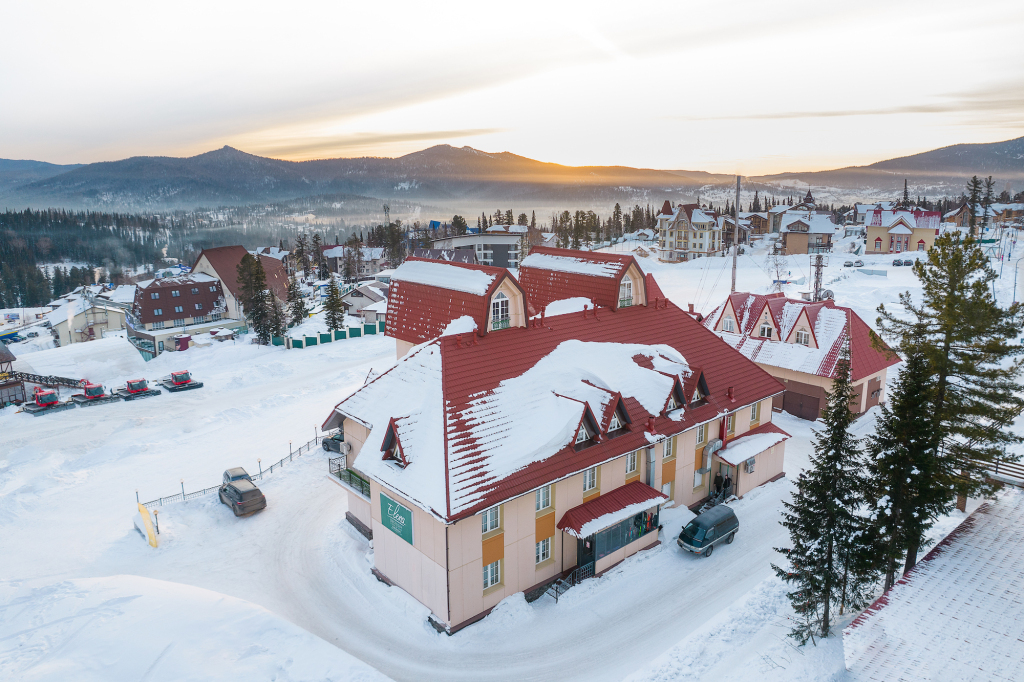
[396, 517]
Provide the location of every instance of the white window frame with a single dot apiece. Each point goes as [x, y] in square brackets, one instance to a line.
[803, 337]
[702, 433]
[590, 479]
[669, 448]
[631, 462]
[175, 293]
[492, 574]
[158, 325]
[730, 423]
[490, 520]
[755, 412]
[614, 424]
[582, 434]
[542, 498]
[698, 479]
[728, 325]
[766, 330]
[542, 551]
[499, 307]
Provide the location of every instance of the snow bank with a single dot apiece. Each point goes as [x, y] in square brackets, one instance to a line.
[101, 360]
[445, 276]
[578, 266]
[462, 325]
[568, 305]
[745, 447]
[131, 628]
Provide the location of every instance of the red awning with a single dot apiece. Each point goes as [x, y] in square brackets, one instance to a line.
[607, 510]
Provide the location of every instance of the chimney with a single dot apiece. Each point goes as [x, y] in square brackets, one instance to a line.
[690, 307]
[585, 311]
[729, 393]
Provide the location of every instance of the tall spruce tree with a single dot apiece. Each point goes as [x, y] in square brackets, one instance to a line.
[973, 202]
[296, 304]
[986, 203]
[826, 564]
[900, 456]
[969, 343]
[278, 321]
[334, 308]
[252, 284]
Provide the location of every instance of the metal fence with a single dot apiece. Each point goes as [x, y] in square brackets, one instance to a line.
[184, 497]
[339, 468]
[559, 587]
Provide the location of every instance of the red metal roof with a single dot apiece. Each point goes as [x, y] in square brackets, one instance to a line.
[224, 260]
[471, 371]
[419, 312]
[544, 286]
[277, 277]
[609, 503]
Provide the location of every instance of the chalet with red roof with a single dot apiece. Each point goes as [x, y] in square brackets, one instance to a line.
[222, 263]
[798, 343]
[533, 429]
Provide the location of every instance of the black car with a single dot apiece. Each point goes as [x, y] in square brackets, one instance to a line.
[897, 263]
[710, 528]
[336, 443]
[243, 497]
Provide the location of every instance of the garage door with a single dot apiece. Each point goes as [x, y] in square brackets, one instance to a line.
[801, 405]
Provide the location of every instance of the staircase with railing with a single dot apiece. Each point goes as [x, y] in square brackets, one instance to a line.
[578, 575]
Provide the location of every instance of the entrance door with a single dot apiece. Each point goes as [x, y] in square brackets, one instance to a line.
[800, 405]
[585, 551]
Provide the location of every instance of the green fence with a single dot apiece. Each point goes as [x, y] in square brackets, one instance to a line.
[277, 340]
[325, 337]
[339, 335]
[296, 343]
[354, 332]
[380, 326]
[310, 341]
[370, 328]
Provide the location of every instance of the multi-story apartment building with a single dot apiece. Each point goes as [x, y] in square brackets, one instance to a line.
[686, 232]
[173, 306]
[535, 427]
[498, 245]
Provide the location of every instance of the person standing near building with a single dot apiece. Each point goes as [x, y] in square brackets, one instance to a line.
[727, 484]
[718, 483]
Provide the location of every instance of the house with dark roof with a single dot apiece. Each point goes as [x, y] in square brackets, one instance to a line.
[170, 307]
[533, 429]
[798, 343]
[222, 263]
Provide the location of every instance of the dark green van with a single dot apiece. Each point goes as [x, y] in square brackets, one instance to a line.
[718, 524]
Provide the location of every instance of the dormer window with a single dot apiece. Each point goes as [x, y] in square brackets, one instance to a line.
[803, 338]
[395, 454]
[626, 293]
[673, 404]
[729, 325]
[614, 424]
[582, 436]
[499, 312]
[697, 395]
[766, 330]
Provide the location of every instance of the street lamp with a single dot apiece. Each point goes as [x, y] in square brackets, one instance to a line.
[1015, 266]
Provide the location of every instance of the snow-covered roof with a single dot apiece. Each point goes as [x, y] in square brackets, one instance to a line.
[617, 505]
[510, 229]
[575, 265]
[274, 252]
[445, 276]
[124, 293]
[369, 253]
[193, 278]
[958, 614]
[751, 444]
[543, 406]
[900, 228]
[378, 307]
[816, 222]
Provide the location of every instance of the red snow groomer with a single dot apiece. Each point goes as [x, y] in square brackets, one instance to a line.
[180, 381]
[46, 400]
[137, 388]
[94, 395]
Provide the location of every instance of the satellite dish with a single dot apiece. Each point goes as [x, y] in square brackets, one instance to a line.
[827, 293]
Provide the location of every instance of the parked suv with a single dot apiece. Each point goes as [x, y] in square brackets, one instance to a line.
[716, 525]
[243, 497]
[336, 443]
[236, 474]
[897, 263]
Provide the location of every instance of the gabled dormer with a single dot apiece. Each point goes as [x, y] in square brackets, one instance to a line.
[728, 322]
[676, 398]
[618, 421]
[696, 388]
[392, 446]
[588, 432]
[766, 326]
[507, 306]
[802, 333]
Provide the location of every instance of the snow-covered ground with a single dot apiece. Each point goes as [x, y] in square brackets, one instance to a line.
[77, 582]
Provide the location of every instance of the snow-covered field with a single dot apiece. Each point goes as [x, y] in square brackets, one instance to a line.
[78, 586]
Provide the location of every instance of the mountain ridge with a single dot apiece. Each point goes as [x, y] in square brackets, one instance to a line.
[446, 174]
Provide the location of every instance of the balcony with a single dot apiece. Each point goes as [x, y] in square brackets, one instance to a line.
[625, 302]
[499, 324]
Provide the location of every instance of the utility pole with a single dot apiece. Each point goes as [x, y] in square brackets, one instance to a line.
[818, 262]
[735, 235]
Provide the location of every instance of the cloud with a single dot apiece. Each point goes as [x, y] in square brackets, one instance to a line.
[1004, 100]
[314, 145]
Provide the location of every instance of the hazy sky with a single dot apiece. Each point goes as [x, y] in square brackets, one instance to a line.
[747, 86]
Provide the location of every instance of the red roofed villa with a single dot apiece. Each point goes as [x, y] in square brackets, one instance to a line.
[526, 435]
[798, 343]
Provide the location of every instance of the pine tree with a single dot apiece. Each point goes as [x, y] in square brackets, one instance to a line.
[323, 271]
[986, 203]
[459, 225]
[826, 565]
[252, 284]
[334, 308]
[973, 202]
[897, 492]
[278, 321]
[296, 304]
[906, 194]
[533, 220]
[969, 344]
